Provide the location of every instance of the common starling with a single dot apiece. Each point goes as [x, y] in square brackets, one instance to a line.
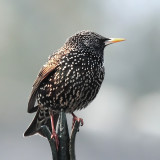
[70, 80]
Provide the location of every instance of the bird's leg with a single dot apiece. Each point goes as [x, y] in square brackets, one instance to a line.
[75, 118]
[53, 135]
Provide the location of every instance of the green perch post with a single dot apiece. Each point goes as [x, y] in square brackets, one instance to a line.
[66, 149]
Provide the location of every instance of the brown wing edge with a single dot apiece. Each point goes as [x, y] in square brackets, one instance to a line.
[42, 75]
[44, 72]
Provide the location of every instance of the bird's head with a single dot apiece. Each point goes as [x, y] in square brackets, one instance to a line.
[90, 41]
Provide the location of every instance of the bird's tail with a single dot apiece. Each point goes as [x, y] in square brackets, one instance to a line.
[41, 118]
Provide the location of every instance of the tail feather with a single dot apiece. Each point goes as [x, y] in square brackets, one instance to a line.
[32, 129]
[39, 120]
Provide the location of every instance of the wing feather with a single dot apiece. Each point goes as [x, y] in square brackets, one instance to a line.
[44, 72]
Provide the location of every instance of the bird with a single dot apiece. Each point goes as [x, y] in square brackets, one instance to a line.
[69, 80]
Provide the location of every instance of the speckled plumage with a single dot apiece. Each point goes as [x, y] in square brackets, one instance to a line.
[70, 79]
[73, 84]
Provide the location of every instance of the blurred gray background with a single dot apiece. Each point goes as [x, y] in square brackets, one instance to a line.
[123, 122]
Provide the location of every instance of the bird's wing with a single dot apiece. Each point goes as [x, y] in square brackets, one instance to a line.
[44, 72]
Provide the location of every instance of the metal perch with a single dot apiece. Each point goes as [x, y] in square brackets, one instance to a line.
[66, 150]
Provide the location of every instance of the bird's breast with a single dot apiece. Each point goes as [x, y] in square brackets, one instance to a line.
[74, 84]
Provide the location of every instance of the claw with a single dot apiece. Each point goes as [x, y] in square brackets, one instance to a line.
[75, 118]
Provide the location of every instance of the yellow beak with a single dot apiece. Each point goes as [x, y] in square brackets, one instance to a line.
[114, 40]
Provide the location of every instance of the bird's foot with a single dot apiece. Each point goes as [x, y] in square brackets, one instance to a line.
[54, 135]
[75, 118]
